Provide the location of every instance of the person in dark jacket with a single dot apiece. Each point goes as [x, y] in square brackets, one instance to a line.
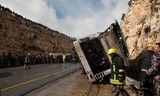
[117, 73]
[154, 70]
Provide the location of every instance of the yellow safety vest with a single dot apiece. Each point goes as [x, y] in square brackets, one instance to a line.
[117, 75]
[27, 59]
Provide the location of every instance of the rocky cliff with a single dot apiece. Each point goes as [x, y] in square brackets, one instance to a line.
[18, 34]
[141, 25]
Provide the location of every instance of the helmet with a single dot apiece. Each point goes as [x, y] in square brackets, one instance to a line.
[111, 50]
[28, 53]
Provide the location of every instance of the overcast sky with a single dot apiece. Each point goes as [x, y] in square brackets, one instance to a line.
[75, 18]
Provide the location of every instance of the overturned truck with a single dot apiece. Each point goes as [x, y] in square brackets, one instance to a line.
[92, 51]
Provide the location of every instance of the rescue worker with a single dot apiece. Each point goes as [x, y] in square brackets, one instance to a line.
[64, 60]
[154, 70]
[117, 73]
[27, 61]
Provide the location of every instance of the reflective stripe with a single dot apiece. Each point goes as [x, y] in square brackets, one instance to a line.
[120, 75]
[114, 68]
[113, 81]
[121, 70]
[27, 59]
[114, 77]
[116, 73]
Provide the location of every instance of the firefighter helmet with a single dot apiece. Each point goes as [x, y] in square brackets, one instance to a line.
[28, 53]
[112, 50]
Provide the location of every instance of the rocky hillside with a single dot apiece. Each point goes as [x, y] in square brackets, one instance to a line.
[141, 25]
[18, 34]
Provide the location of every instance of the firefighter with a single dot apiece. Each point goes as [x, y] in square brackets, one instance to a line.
[27, 61]
[64, 58]
[117, 73]
[154, 70]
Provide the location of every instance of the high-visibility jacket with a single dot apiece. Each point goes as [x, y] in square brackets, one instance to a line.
[27, 59]
[64, 58]
[117, 71]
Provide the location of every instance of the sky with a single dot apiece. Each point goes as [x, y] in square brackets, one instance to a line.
[75, 18]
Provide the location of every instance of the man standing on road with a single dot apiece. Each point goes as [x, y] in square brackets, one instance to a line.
[117, 73]
[27, 61]
[64, 60]
[155, 68]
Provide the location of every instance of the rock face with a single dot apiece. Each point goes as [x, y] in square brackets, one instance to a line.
[18, 34]
[141, 25]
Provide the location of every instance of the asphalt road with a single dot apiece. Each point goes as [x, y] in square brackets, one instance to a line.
[75, 84]
[18, 82]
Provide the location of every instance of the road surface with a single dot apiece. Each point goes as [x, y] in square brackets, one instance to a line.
[75, 85]
[17, 81]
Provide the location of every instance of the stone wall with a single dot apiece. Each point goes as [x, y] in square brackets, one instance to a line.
[141, 25]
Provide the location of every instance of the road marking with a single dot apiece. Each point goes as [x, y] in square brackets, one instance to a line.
[29, 81]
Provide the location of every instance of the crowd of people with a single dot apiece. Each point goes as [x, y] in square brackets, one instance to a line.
[13, 60]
